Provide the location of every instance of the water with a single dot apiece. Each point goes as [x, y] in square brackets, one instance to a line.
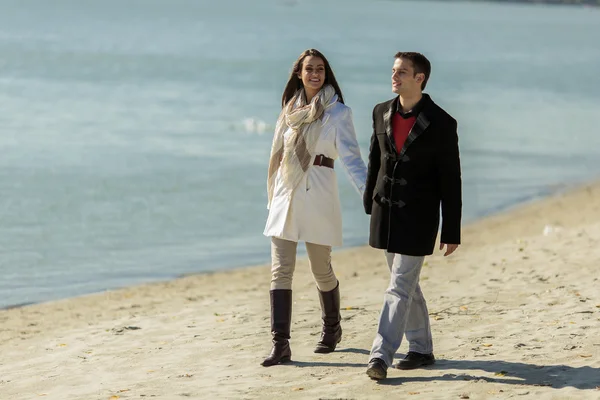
[134, 136]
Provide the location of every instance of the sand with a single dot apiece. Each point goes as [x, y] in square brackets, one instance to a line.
[515, 314]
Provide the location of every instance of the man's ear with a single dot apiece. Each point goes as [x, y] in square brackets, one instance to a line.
[420, 77]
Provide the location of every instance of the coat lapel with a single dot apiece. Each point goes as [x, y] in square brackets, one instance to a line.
[328, 110]
[324, 119]
[387, 120]
[421, 124]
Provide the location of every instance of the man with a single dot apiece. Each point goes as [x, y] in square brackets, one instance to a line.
[414, 166]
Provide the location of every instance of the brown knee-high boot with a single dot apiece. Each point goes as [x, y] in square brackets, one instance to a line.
[281, 320]
[332, 330]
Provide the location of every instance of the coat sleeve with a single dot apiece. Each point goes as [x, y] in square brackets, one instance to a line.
[349, 151]
[450, 186]
[372, 170]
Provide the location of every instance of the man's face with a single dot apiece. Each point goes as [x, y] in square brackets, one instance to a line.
[404, 80]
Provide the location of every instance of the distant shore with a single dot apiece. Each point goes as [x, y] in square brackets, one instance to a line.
[554, 2]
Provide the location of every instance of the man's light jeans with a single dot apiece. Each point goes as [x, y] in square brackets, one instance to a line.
[404, 311]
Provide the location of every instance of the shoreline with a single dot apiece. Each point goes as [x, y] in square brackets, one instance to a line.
[541, 195]
[513, 313]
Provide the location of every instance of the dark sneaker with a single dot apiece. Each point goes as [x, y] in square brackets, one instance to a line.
[377, 369]
[415, 360]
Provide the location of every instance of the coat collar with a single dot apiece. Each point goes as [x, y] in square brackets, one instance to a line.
[387, 120]
[329, 109]
[421, 124]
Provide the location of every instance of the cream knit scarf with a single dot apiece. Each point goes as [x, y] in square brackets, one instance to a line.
[295, 154]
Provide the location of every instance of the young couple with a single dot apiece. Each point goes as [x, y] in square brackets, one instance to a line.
[414, 168]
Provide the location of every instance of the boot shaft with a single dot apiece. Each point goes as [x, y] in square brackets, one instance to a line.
[330, 307]
[281, 313]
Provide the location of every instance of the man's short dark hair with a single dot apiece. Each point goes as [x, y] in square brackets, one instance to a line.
[420, 63]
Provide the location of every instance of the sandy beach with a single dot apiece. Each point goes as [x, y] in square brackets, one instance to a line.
[515, 314]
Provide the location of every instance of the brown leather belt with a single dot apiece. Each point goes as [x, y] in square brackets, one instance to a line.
[323, 161]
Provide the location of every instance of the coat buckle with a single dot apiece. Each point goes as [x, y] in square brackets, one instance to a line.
[400, 181]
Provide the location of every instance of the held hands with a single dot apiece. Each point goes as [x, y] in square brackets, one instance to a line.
[450, 248]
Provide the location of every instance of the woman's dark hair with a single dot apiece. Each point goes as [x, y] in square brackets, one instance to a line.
[295, 83]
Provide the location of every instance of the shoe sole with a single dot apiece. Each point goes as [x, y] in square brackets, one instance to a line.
[426, 364]
[375, 375]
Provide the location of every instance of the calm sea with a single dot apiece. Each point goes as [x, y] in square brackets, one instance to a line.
[134, 135]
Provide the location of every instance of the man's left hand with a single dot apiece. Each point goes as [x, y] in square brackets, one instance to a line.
[450, 248]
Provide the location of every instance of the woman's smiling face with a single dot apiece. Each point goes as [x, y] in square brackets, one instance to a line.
[313, 73]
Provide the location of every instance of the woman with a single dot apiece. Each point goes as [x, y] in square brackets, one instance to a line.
[313, 129]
